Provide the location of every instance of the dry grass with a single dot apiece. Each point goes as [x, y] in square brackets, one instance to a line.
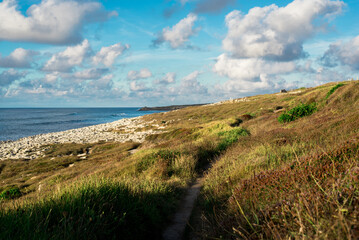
[253, 190]
[290, 181]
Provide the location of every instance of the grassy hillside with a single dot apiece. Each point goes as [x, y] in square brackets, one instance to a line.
[276, 166]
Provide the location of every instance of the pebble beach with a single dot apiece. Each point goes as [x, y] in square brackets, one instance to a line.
[127, 129]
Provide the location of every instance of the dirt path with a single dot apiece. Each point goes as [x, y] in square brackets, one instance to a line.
[177, 227]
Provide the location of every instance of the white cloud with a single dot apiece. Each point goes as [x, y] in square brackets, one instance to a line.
[19, 58]
[167, 79]
[51, 21]
[276, 32]
[179, 34]
[325, 75]
[142, 74]
[235, 86]
[108, 55]
[51, 78]
[138, 87]
[9, 76]
[92, 73]
[105, 83]
[191, 85]
[65, 61]
[250, 69]
[267, 43]
[345, 53]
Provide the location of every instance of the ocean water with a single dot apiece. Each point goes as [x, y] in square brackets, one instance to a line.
[17, 123]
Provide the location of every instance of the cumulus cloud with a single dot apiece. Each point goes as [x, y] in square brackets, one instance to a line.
[179, 34]
[51, 78]
[274, 32]
[250, 69]
[191, 85]
[92, 73]
[138, 87]
[212, 6]
[167, 79]
[142, 74]
[267, 43]
[9, 76]
[19, 58]
[108, 55]
[51, 21]
[325, 75]
[234, 86]
[66, 61]
[104, 83]
[345, 53]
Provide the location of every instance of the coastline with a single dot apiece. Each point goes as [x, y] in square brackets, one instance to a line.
[122, 130]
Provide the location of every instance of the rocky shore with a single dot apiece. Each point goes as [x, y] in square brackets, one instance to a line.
[130, 129]
[169, 108]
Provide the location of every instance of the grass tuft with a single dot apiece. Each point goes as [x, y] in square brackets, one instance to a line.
[332, 90]
[10, 193]
[298, 112]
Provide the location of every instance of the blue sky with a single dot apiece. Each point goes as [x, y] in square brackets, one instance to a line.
[79, 53]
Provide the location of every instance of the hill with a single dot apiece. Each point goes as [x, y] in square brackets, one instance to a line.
[276, 166]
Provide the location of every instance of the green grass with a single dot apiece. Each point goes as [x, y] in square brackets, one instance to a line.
[166, 156]
[317, 194]
[95, 209]
[332, 90]
[298, 112]
[266, 180]
[10, 193]
[230, 137]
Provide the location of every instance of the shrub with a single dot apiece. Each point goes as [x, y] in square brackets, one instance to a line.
[246, 117]
[230, 137]
[298, 112]
[332, 90]
[165, 155]
[10, 193]
[236, 122]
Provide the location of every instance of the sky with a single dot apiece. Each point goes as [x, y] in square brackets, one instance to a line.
[133, 53]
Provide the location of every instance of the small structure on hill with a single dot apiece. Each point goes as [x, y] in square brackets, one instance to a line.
[283, 91]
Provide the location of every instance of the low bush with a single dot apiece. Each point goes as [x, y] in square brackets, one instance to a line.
[236, 122]
[246, 117]
[10, 193]
[332, 90]
[298, 112]
[166, 156]
[230, 137]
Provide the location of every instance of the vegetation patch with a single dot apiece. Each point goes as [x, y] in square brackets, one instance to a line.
[10, 193]
[332, 90]
[283, 182]
[230, 137]
[236, 122]
[96, 209]
[320, 192]
[166, 156]
[298, 112]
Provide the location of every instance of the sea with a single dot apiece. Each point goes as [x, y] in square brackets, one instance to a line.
[17, 123]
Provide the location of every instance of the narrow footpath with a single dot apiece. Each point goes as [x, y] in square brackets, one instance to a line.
[177, 227]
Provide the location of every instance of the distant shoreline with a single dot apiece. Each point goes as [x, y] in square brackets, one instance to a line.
[122, 130]
[170, 108]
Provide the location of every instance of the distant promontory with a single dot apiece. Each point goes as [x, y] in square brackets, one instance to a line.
[169, 108]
